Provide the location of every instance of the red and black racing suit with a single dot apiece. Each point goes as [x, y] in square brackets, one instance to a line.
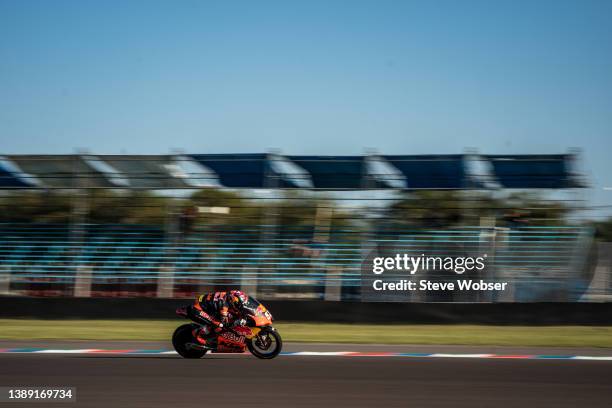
[211, 310]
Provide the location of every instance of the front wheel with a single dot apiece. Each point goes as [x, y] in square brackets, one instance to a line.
[267, 344]
[182, 338]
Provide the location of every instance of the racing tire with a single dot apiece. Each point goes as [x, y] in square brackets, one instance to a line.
[183, 335]
[261, 352]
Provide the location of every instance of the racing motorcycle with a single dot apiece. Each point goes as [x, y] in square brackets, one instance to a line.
[257, 335]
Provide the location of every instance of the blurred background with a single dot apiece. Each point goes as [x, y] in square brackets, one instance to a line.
[296, 227]
[154, 150]
[160, 150]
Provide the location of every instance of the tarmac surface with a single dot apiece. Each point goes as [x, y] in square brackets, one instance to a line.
[311, 381]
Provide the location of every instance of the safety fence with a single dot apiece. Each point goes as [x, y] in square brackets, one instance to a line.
[541, 313]
[540, 263]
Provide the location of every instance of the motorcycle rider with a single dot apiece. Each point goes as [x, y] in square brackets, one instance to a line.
[216, 310]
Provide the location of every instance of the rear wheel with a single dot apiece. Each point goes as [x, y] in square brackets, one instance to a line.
[267, 344]
[182, 337]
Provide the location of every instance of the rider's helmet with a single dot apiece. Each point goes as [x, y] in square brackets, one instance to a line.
[237, 299]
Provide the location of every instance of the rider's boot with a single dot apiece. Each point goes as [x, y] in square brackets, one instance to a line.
[205, 337]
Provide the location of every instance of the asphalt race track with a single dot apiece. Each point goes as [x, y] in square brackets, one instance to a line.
[310, 381]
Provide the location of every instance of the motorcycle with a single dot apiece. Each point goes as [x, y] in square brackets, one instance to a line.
[257, 335]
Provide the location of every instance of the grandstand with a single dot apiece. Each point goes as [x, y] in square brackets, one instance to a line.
[316, 259]
[256, 171]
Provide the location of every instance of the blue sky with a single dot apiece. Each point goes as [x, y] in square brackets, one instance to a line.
[310, 77]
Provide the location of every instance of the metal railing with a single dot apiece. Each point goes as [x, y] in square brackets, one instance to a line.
[540, 263]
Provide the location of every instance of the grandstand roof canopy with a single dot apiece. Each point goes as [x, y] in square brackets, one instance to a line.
[272, 171]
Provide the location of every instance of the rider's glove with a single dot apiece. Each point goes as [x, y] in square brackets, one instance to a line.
[239, 322]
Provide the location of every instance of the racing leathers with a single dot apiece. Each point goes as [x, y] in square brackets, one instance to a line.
[214, 311]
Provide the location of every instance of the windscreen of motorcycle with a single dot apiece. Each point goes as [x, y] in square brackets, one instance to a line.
[258, 312]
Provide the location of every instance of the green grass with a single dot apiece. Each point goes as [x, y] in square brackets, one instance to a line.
[566, 336]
